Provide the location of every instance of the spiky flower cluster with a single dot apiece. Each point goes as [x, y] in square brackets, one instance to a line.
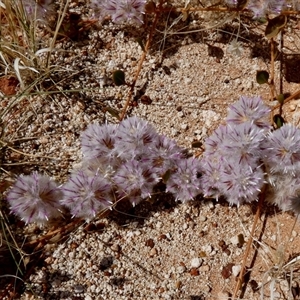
[245, 154]
[35, 198]
[129, 159]
[262, 7]
[133, 157]
[121, 11]
[38, 10]
[281, 155]
[120, 161]
[231, 162]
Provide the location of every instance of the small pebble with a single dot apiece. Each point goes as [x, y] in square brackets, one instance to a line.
[202, 218]
[194, 272]
[152, 252]
[223, 296]
[196, 262]
[150, 243]
[115, 247]
[187, 80]
[184, 126]
[227, 271]
[204, 269]
[181, 269]
[78, 288]
[178, 284]
[236, 270]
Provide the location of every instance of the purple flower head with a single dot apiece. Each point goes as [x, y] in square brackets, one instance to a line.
[121, 11]
[231, 3]
[282, 190]
[249, 110]
[163, 155]
[239, 182]
[211, 168]
[262, 7]
[295, 204]
[185, 183]
[86, 194]
[35, 198]
[244, 141]
[281, 150]
[215, 142]
[98, 140]
[102, 166]
[38, 10]
[134, 177]
[134, 137]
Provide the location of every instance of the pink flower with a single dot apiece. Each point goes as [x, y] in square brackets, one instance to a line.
[120, 10]
[38, 10]
[35, 198]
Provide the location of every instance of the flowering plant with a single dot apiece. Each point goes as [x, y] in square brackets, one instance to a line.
[129, 159]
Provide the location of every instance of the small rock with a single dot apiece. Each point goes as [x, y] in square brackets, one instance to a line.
[185, 226]
[181, 269]
[236, 270]
[204, 269]
[238, 240]
[196, 262]
[227, 251]
[206, 289]
[207, 249]
[223, 296]
[162, 237]
[187, 80]
[178, 284]
[194, 272]
[43, 140]
[49, 260]
[202, 218]
[210, 204]
[227, 271]
[158, 225]
[115, 247]
[184, 126]
[152, 252]
[150, 243]
[78, 288]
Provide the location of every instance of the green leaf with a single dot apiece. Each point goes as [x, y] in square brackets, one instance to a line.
[166, 176]
[275, 25]
[112, 111]
[141, 43]
[241, 240]
[262, 77]
[119, 78]
[278, 120]
[280, 98]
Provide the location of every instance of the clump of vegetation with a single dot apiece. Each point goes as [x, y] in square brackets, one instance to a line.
[128, 161]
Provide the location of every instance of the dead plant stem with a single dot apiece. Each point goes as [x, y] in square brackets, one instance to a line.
[240, 279]
[132, 86]
[271, 84]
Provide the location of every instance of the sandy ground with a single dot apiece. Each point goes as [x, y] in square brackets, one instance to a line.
[160, 250]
